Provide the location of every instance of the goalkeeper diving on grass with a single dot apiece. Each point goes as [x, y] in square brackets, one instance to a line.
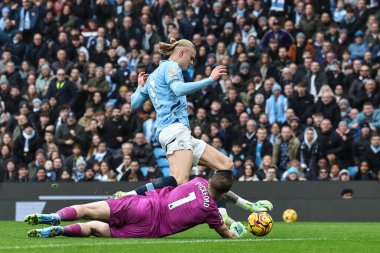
[160, 213]
[166, 89]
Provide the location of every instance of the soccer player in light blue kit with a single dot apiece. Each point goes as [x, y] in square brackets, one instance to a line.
[167, 90]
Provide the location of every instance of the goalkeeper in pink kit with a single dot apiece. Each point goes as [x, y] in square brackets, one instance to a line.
[160, 213]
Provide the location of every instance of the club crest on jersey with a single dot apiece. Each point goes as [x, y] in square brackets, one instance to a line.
[172, 73]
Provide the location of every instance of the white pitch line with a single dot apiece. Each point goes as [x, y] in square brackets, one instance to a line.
[140, 242]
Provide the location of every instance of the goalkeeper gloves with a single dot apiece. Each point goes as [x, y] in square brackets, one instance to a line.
[238, 229]
[259, 206]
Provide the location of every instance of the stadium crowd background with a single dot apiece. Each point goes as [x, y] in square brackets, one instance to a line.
[301, 101]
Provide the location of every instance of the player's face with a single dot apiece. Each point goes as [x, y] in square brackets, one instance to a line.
[188, 58]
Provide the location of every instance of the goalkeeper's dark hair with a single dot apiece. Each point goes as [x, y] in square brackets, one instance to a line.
[221, 182]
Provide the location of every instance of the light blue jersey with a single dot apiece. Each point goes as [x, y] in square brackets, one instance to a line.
[167, 91]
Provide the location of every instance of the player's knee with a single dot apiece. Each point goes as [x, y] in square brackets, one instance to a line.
[229, 164]
[182, 180]
[85, 229]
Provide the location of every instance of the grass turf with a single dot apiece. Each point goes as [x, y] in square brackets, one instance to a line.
[294, 237]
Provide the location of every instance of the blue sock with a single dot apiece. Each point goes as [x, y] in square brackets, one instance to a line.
[157, 184]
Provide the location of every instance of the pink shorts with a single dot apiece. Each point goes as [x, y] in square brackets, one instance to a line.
[130, 217]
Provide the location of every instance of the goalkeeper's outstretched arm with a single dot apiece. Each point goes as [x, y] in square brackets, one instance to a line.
[231, 228]
[224, 232]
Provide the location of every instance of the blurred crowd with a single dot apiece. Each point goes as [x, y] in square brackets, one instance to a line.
[300, 101]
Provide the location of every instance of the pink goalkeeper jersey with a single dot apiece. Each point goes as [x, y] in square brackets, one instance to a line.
[178, 209]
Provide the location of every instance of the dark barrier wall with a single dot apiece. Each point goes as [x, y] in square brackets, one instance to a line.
[313, 201]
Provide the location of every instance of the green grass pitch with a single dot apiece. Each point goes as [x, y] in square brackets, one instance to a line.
[294, 237]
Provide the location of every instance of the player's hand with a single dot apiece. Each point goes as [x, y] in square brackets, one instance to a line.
[218, 72]
[238, 229]
[142, 79]
[262, 206]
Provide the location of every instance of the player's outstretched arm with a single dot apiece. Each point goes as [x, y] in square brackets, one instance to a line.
[237, 230]
[224, 232]
[259, 206]
[140, 95]
[181, 88]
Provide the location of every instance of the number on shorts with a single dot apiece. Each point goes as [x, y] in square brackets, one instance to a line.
[182, 201]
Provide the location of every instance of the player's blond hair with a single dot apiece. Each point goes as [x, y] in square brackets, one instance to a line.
[168, 48]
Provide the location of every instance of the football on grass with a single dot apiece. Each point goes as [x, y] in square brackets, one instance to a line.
[260, 224]
[289, 215]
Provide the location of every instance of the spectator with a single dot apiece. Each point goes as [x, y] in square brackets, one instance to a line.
[292, 174]
[315, 78]
[328, 107]
[153, 173]
[248, 137]
[65, 176]
[11, 75]
[329, 140]
[372, 154]
[52, 173]
[276, 106]
[368, 115]
[26, 145]
[323, 175]
[134, 174]
[362, 142]
[364, 173]
[260, 147]
[123, 167]
[101, 154]
[142, 151]
[79, 171]
[335, 172]
[368, 94]
[89, 175]
[310, 153]
[74, 158]
[249, 174]
[106, 174]
[97, 83]
[285, 148]
[115, 129]
[22, 174]
[68, 134]
[270, 175]
[40, 176]
[309, 22]
[344, 175]
[62, 89]
[39, 161]
[282, 36]
[10, 171]
[62, 62]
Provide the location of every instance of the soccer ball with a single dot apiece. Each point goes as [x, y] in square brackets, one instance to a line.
[260, 223]
[289, 215]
